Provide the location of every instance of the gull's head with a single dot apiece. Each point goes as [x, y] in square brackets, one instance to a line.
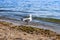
[30, 15]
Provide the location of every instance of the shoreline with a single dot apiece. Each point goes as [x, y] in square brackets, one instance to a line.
[10, 31]
[37, 25]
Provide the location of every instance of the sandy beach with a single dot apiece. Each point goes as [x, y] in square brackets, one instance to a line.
[16, 31]
[33, 24]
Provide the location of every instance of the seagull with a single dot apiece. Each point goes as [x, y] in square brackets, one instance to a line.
[29, 19]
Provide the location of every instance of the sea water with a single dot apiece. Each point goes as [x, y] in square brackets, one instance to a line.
[18, 15]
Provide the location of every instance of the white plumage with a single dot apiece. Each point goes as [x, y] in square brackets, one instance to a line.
[28, 19]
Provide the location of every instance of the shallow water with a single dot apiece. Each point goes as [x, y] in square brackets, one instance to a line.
[16, 17]
[19, 15]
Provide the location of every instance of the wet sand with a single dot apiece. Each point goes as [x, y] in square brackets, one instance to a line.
[33, 24]
[35, 31]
